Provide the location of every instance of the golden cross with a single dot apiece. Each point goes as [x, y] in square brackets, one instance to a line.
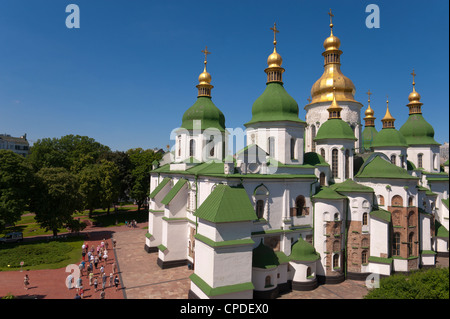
[275, 31]
[206, 52]
[369, 94]
[414, 74]
[331, 17]
[309, 100]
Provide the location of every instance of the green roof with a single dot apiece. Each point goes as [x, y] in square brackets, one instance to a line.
[368, 135]
[205, 111]
[207, 168]
[441, 231]
[264, 257]
[274, 104]
[312, 158]
[417, 131]
[389, 137]
[159, 187]
[210, 291]
[303, 251]
[381, 214]
[173, 192]
[445, 202]
[335, 129]
[351, 186]
[410, 166]
[446, 163]
[378, 166]
[328, 193]
[227, 204]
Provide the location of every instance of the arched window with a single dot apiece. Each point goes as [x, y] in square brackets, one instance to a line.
[336, 261]
[292, 148]
[313, 136]
[397, 200]
[435, 162]
[364, 257]
[365, 243]
[420, 160]
[322, 179]
[192, 147]
[334, 162]
[336, 217]
[322, 153]
[410, 244]
[308, 272]
[211, 145]
[347, 164]
[179, 145]
[260, 209]
[364, 219]
[411, 219]
[268, 281]
[300, 204]
[396, 245]
[380, 200]
[393, 159]
[411, 201]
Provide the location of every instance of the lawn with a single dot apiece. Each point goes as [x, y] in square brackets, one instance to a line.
[41, 255]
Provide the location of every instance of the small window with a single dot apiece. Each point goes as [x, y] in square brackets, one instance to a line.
[393, 159]
[364, 219]
[396, 245]
[260, 209]
[420, 160]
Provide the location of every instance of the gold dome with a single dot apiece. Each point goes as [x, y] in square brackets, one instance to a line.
[414, 96]
[204, 77]
[322, 90]
[274, 60]
[369, 112]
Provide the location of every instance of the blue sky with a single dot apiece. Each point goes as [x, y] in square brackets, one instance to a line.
[128, 74]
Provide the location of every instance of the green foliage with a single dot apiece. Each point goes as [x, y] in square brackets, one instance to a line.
[42, 255]
[71, 152]
[421, 284]
[15, 183]
[141, 163]
[55, 198]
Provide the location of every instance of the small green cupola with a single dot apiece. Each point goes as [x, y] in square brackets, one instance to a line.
[389, 136]
[303, 251]
[335, 127]
[204, 114]
[274, 104]
[416, 130]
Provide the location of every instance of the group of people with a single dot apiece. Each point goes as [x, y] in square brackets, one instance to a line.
[94, 258]
[131, 223]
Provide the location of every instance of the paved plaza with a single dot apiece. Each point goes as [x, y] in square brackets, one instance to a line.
[141, 277]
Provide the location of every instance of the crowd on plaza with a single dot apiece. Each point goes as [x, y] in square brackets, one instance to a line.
[94, 268]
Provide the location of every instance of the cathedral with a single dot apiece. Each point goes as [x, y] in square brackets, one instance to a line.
[305, 202]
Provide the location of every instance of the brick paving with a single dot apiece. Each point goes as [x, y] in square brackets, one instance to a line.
[141, 277]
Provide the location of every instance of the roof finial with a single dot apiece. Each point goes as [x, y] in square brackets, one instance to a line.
[369, 94]
[414, 82]
[275, 31]
[331, 20]
[206, 52]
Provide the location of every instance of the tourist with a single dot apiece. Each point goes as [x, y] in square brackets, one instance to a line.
[69, 281]
[95, 283]
[116, 282]
[111, 279]
[114, 243]
[103, 281]
[26, 281]
[91, 276]
[102, 294]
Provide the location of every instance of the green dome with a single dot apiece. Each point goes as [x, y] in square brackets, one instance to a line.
[205, 111]
[264, 257]
[275, 104]
[368, 135]
[417, 131]
[303, 251]
[389, 137]
[335, 129]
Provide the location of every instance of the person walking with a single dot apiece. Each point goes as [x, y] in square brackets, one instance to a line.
[111, 279]
[91, 276]
[102, 294]
[26, 281]
[95, 284]
[103, 281]
[116, 282]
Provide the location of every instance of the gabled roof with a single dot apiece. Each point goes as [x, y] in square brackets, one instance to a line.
[328, 193]
[351, 186]
[159, 187]
[379, 166]
[227, 204]
[173, 192]
[441, 231]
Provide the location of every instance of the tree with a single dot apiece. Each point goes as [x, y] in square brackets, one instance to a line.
[109, 183]
[15, 184]
[141, 163]
[71, 152]
[123, 163]
[90, 187]
[55, 198]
